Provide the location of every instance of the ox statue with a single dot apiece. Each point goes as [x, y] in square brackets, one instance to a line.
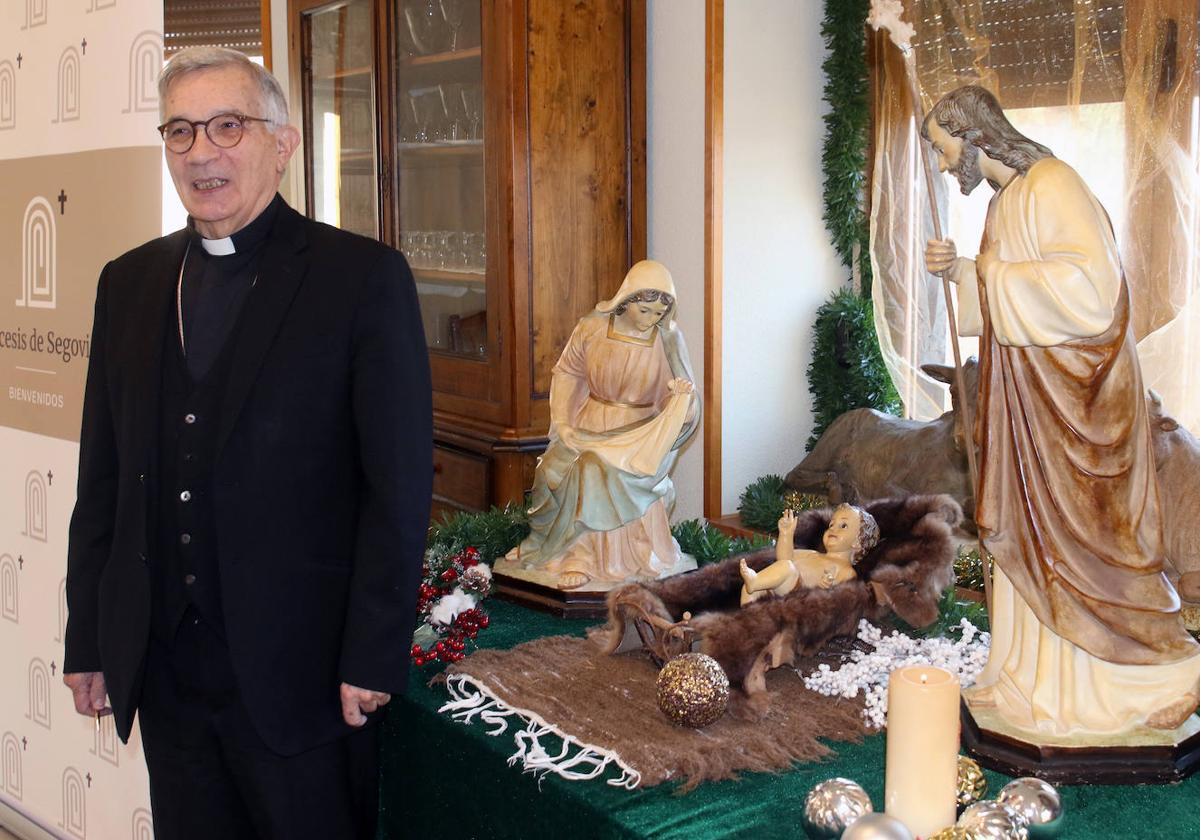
[865, 454]
[1177, 464]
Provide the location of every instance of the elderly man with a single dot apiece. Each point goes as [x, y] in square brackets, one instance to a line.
[1087, 637]
[254, 485]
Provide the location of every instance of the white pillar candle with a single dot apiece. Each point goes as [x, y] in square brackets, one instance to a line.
[922, 748]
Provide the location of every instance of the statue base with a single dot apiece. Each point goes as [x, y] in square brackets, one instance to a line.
[537, 589]
[1142, 756]
[564, 603]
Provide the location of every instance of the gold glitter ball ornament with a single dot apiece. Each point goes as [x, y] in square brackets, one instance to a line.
[952, 832]
[693, 690]
[971, 783]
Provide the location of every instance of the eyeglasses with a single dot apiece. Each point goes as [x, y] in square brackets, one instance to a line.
[223, 130]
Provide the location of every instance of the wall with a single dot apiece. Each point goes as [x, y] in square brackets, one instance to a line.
[78, 108]
[675, 192]
[779, 265]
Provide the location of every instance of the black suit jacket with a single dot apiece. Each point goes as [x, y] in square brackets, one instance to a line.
[321, 481]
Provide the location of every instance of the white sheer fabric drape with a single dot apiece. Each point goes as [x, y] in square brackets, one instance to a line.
[1138, 152]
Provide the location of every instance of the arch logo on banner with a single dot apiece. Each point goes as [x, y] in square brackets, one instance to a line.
[81, 165]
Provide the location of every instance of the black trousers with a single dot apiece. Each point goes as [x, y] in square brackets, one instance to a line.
[210, 774]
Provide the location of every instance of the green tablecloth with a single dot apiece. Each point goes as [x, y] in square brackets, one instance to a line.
[445, 780]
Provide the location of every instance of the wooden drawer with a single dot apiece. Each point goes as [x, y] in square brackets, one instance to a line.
[460, 479]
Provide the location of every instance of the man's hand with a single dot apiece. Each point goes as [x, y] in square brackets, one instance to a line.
[89, 692]
[940, 254]
[358, 702]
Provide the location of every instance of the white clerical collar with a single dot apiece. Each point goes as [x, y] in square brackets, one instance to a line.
[218, 247]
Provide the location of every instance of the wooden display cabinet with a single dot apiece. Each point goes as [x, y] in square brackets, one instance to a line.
[501, 145]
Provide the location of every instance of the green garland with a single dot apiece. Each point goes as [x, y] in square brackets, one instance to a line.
[493, 532]
[496, 531]
[709, 544]
[844, 159]
[764, 501]
[847, 370]
[951, 611]
[761, 504]
[968, 571]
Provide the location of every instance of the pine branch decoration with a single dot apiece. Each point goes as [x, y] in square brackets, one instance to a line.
[847, 369]
[844, 159]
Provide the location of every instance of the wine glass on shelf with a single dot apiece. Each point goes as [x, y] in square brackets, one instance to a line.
[447, 249]
[429, 258]
[456, 118]
[406, 239]
[475, 253]
[462, 259]
[408, 119]
[420, 127]
[472, 99]
[426, 26]
[453, 12]
[434, 121]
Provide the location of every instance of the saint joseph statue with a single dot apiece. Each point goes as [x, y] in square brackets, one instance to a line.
[1086, 633]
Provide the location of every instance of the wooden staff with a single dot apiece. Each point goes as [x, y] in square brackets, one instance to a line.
[914, 92]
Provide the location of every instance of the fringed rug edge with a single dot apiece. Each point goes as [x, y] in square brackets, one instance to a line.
[471, 699]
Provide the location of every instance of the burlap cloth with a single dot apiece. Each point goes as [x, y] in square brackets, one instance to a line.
[609, 702]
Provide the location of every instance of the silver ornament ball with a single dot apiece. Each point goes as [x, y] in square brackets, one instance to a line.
[877, 827]
[831, 806]
[991, 820]
[1038, 803]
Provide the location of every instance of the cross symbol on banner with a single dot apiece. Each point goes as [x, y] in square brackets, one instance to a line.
[24, 743]
[53, 668]
[19, 57]
[83, 44]
[62, 199]
[20, 562]
[62, 202]
[89, 779]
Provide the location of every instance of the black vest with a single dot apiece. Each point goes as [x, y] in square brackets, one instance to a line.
[185, 571]
[212, 293]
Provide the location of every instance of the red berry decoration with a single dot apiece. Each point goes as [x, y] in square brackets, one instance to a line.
[441, 574]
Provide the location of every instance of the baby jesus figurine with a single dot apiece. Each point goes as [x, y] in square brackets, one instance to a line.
[852, 532]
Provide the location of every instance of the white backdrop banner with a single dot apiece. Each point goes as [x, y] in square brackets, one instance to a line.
[80, 165]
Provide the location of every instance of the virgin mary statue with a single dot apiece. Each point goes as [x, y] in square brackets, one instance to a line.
[622, 403]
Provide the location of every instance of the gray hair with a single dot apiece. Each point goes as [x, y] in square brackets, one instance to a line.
[972, 113]
[193, 59]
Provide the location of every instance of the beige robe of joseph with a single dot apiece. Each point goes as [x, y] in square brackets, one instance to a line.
[1086, 635]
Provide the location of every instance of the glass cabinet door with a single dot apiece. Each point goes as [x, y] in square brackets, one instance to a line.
[339, 80]
[440, 155]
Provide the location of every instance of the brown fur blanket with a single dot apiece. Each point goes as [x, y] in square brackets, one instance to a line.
[905, 574]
